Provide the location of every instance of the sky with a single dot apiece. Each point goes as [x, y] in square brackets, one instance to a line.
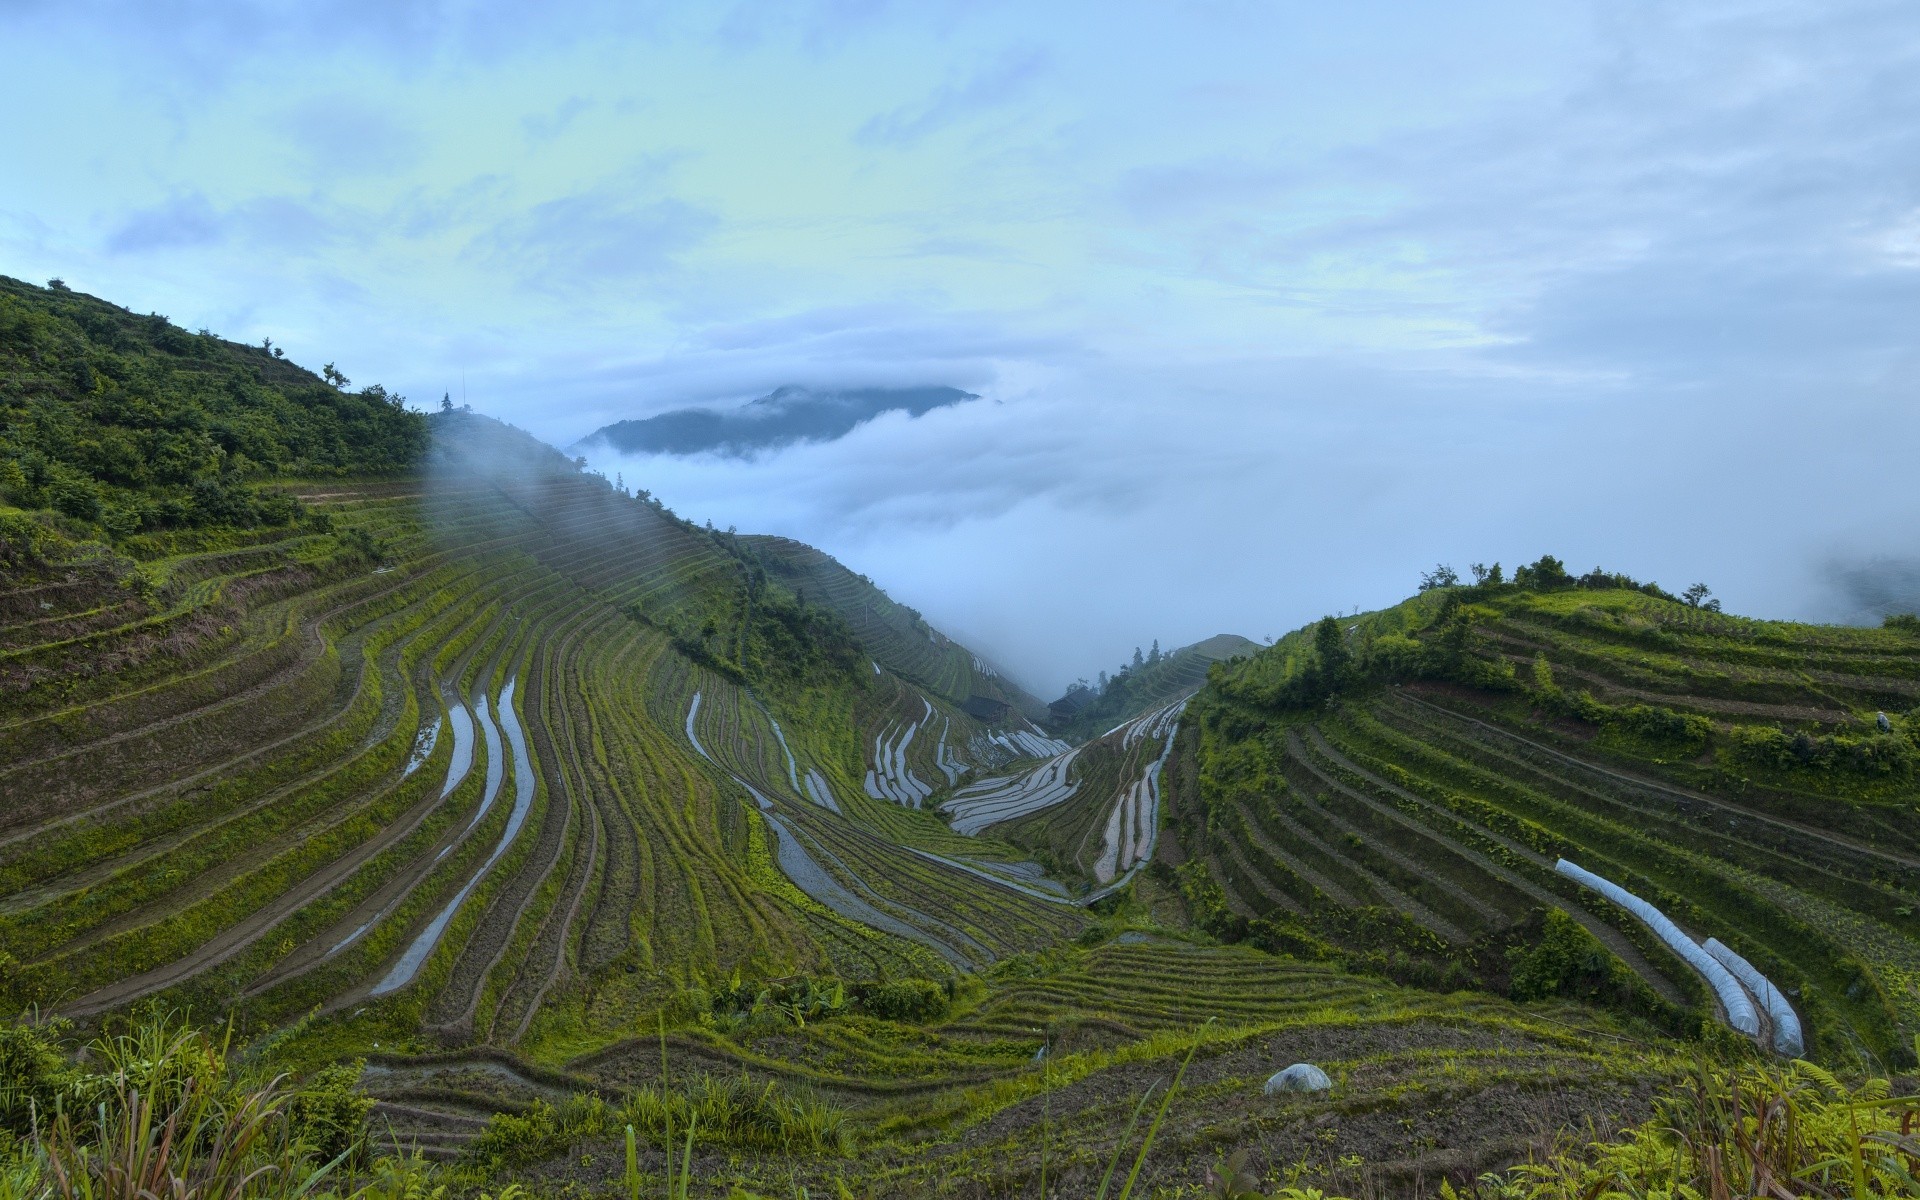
[1272, 306]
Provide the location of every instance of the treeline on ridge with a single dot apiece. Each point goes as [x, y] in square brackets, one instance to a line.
[131, 424]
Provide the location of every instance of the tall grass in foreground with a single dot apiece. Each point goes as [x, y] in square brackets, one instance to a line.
[1778, 1131]
[162, 1119]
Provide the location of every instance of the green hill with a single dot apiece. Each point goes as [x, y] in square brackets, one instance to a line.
[129, 425]
[1086, 712]
[1395, 790]
[899, 637]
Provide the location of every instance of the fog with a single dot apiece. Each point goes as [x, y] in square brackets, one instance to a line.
[1056, 541]
[1270, 307]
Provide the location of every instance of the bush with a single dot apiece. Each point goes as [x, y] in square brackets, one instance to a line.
[35, 1076]
[1566, 961]
[913, 1000]
[329, 1114]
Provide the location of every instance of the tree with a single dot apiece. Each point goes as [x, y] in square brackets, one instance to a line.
[1153, 655]
[446, 401]
[1103, 682]
[332, 375]
[1330, 645]
[1700, 596]
[1486, 575]
[1546, 575]
[1138, 660]
[1442, 576]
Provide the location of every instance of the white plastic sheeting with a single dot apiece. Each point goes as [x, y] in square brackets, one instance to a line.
[1300, 1077]
[1787, 1038]
[1733, 997]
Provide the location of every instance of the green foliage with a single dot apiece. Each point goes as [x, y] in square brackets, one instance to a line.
[1869, 755]
[329, 1112]
[1792, 1130]
[910, 1000]
[129, 423]
[1570, 962]
[36, 1077]
[158, 1110]
[726, 1112]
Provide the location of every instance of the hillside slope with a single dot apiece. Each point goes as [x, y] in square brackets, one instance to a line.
[1088, 712]
[899, 638]
[483, 752]
[131, 425]
[1396, 790]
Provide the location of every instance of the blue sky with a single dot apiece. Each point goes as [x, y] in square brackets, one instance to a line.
[1273, 304]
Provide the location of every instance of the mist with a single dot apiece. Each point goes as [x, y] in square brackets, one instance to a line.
[1057, 543]
[1270, 308]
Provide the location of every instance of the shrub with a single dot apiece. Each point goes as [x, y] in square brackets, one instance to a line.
[914, 1000]
[1568, 961]
[329, 1114]
[1790, 1130]
[35, 1076]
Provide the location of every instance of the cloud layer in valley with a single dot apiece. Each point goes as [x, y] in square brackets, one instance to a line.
[1271, 306]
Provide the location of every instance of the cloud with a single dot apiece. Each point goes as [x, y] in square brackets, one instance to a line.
[999, 84]
[343, 136]
[182, 221]
[544, 127]
[594, 237]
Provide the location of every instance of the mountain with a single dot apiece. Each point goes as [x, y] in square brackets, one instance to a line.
[1084, 711]
[781, 418]
[465, 784]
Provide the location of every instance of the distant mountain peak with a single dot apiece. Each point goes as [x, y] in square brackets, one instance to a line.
[787, 415]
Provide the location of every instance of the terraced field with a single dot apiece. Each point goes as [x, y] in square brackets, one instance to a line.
[1043, 1057]
[484, 770]
[1734, 775]
[471, 754]
[1143, 689]
[1091, 811]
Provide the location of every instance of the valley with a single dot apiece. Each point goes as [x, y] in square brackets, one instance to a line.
[417, 746]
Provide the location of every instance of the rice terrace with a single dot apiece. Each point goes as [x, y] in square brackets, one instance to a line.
[651, 745]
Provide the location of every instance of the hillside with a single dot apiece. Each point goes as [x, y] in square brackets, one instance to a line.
[130, 425]
[899, 638]
[465, 763]
[1158, 680]
[1394, 791]
[494, 764]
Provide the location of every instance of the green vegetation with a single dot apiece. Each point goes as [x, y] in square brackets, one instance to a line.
[583, 850]
[129, 424]
[1397, 786]
[1089, 710]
